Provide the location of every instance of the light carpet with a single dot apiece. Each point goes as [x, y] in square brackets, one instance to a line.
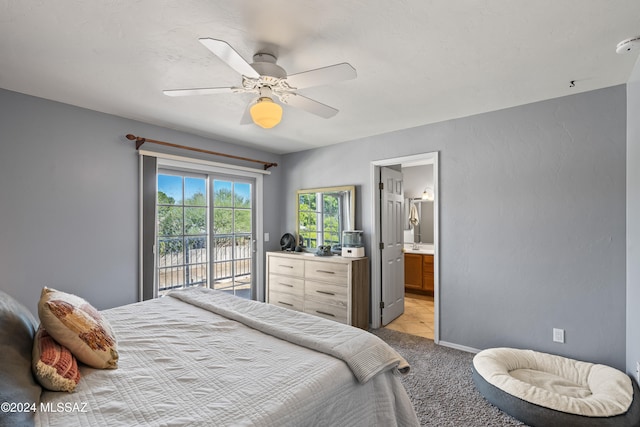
[440, 384]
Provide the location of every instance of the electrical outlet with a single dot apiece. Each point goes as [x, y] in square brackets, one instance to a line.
[558, 335]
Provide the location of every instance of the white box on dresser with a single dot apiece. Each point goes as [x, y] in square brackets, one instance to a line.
[333, 287]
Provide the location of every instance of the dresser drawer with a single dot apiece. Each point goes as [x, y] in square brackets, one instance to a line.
[288, 266]
[326, 271]
[289, 301]
[328, 311]
[286, 284]
[330, 293]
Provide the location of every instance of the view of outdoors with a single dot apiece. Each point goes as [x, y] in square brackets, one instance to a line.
[184, 256]
[319, 219]
[231, 230]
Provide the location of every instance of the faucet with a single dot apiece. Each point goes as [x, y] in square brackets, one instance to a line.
[416, 246]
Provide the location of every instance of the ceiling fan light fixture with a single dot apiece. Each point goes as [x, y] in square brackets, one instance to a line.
[266, 113]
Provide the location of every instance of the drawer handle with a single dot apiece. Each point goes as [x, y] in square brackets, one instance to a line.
[285, 284]
[286, 266]
[285, 303]
[325, 292]
[326, 271]
[325, 313]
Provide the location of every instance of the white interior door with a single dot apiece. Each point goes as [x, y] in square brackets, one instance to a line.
[391, 210]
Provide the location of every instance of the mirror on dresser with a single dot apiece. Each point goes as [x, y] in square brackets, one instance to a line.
[323, 213]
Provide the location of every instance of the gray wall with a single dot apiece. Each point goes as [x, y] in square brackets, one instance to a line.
[532, 213]
[416, 179]
[69, 199]
[532, 220]
[633, 220]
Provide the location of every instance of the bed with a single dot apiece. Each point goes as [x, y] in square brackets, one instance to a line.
[200, 357]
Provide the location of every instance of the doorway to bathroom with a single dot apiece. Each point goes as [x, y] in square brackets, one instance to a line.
[419, 225]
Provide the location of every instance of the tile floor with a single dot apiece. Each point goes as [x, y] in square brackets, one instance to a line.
[417, 318]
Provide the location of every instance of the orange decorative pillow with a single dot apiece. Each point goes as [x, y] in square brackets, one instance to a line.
[77, 325]
[53, 365]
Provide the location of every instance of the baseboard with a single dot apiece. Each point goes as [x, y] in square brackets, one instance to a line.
[458, 347]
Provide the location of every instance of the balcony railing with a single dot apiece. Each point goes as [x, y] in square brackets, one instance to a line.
[231, 267]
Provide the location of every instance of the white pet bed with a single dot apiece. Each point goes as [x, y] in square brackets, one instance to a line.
[547, 390]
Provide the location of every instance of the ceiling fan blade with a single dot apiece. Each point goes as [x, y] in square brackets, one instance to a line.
[321, 76]
[198, 91]
[229, 55]
[309, 105]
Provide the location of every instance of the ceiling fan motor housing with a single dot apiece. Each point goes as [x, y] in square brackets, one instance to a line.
[265, 65]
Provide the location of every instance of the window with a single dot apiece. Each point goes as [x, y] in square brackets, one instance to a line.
[322, 215]
[182, 232]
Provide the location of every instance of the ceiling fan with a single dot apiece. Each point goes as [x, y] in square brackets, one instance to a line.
[268, 80]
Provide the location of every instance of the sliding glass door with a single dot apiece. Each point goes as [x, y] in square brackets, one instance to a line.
[232, 236]
[181, 244]
[205, 233]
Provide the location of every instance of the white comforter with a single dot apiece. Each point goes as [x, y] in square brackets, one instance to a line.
[181, 364]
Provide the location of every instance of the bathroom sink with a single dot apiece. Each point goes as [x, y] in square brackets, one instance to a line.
[421, 248]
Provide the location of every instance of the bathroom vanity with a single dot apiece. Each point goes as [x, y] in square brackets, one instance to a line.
[418, 269]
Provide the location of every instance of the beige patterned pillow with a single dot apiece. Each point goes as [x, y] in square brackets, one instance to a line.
[77, 325]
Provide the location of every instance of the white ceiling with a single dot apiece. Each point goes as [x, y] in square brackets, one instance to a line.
[418, 61]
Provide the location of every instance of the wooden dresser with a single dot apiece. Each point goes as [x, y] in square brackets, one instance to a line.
[332, 287]
[418, 273]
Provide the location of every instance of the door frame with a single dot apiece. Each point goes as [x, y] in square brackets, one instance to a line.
[376, 259]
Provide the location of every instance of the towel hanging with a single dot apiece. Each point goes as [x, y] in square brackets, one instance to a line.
[413, 215]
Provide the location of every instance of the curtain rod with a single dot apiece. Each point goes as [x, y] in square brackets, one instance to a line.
[140, 141]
